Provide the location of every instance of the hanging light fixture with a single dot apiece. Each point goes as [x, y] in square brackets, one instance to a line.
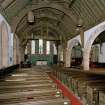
[80, 23]
[31, 18]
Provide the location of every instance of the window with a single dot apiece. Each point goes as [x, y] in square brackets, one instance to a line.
[33, 47]
[48, 47]
[40, 46]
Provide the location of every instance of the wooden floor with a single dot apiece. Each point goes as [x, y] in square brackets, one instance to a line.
[29, 87]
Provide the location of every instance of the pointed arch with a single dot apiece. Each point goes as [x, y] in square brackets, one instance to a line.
[94, 34]
[71, 44]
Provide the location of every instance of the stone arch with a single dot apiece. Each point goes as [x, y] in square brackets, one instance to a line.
[71, 44]
[99, 29]
[4, 44]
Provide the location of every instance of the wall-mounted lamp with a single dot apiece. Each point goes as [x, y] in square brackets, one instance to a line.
[79, 25]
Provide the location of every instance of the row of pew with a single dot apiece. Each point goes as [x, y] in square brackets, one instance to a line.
[88, 86]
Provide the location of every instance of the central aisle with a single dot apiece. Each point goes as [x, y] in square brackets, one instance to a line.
[29, 87]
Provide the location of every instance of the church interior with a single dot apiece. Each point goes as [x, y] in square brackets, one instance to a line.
[52, 52]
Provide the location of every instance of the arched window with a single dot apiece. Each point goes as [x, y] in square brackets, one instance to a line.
[15, 49]
[48, 47]
[40, 46]
[33, 47]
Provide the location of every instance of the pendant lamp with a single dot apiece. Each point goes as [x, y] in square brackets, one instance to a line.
[31, 18]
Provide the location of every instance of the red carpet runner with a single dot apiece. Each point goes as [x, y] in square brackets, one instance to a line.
[66, 92]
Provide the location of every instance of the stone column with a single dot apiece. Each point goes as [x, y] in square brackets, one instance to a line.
[29, 49]
[51, 51]
[59, 47]
[14, 49]
[21, 53]
[17, 51]
[85, 60]
[44, 47]
[68, 58]
[82, 43]
[65, 53]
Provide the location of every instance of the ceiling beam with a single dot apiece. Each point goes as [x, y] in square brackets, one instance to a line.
[29, 29]
[7, 3]
[17, 19]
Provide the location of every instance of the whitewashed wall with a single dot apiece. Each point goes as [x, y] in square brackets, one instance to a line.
[10, 42]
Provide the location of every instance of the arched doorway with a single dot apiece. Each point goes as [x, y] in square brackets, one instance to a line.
[97, 54]
[4, 44]
[69, 52]
[93, 35]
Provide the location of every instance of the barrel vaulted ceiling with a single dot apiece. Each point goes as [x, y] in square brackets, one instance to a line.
[57, 18]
